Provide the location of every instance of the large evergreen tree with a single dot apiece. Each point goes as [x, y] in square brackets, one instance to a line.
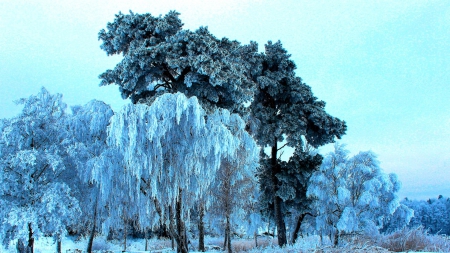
[159, 56]
[285, 109]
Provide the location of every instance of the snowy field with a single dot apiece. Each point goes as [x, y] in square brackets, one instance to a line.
[101, 245]
[71, 244]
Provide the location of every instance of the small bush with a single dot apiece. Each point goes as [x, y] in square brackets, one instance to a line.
[416, 239]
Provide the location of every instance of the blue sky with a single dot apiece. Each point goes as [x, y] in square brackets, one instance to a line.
[382, 66]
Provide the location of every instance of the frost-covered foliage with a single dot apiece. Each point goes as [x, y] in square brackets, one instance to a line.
[415, 239]
[400, 219]
[159, 56]
[170, 152]
[352, 195]
[33, 157]
[433, 215]
[88, 134]
[233, 194]
[87, 127]
[120, 197]
[285, 109]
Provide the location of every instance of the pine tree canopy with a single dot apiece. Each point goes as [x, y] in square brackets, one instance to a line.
[159, 56]
[286, 107]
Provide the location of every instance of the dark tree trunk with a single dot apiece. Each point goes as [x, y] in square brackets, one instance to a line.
[58, 243]
[225, 240]
[172, 233]
[146, 240]
[277, 201]
[30, 247]
[181, 233]
[171, 228]
[228, 235]
[281, 226]
[125, 232]
[21, 246]
[201, 230]
[298, 225]
[91, 236]
[336, 239]
[173, 242]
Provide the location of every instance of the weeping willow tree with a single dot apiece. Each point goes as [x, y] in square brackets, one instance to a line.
[167, 154]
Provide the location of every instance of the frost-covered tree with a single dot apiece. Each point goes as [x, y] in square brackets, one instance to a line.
[352, 195]
[233, 190]
[87, 126]
[285, 109]
[254, 220]
[401, 218]
[120, 196]
[293, 181]
[173, 148]
[294, 178]
[432, 214]
[159, 56]
[33, 157]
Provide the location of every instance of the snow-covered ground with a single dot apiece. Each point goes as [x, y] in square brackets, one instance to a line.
[72, 244]
[101, 245]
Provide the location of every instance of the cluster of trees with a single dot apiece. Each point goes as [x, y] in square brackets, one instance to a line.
[161, 57]
[187, 156]
[432, 214]
[353, 195]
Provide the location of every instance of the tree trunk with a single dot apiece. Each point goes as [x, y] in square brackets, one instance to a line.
[172, 233]
[228, 235]
[201, 231]
[281, 226]
[173, 242]
[146, 240]
[21, 246]
[256, 240]
[181, 233]
[277, 201]
[91, 236]
[297, 227]
[58, 243]
[225, 241]
[30, 247]
[336, 239]
[171, 227]
[125, 232]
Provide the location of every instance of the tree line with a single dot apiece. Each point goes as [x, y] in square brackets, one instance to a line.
[198, 149]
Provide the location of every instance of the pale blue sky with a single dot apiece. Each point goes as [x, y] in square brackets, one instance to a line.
[382, 66]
